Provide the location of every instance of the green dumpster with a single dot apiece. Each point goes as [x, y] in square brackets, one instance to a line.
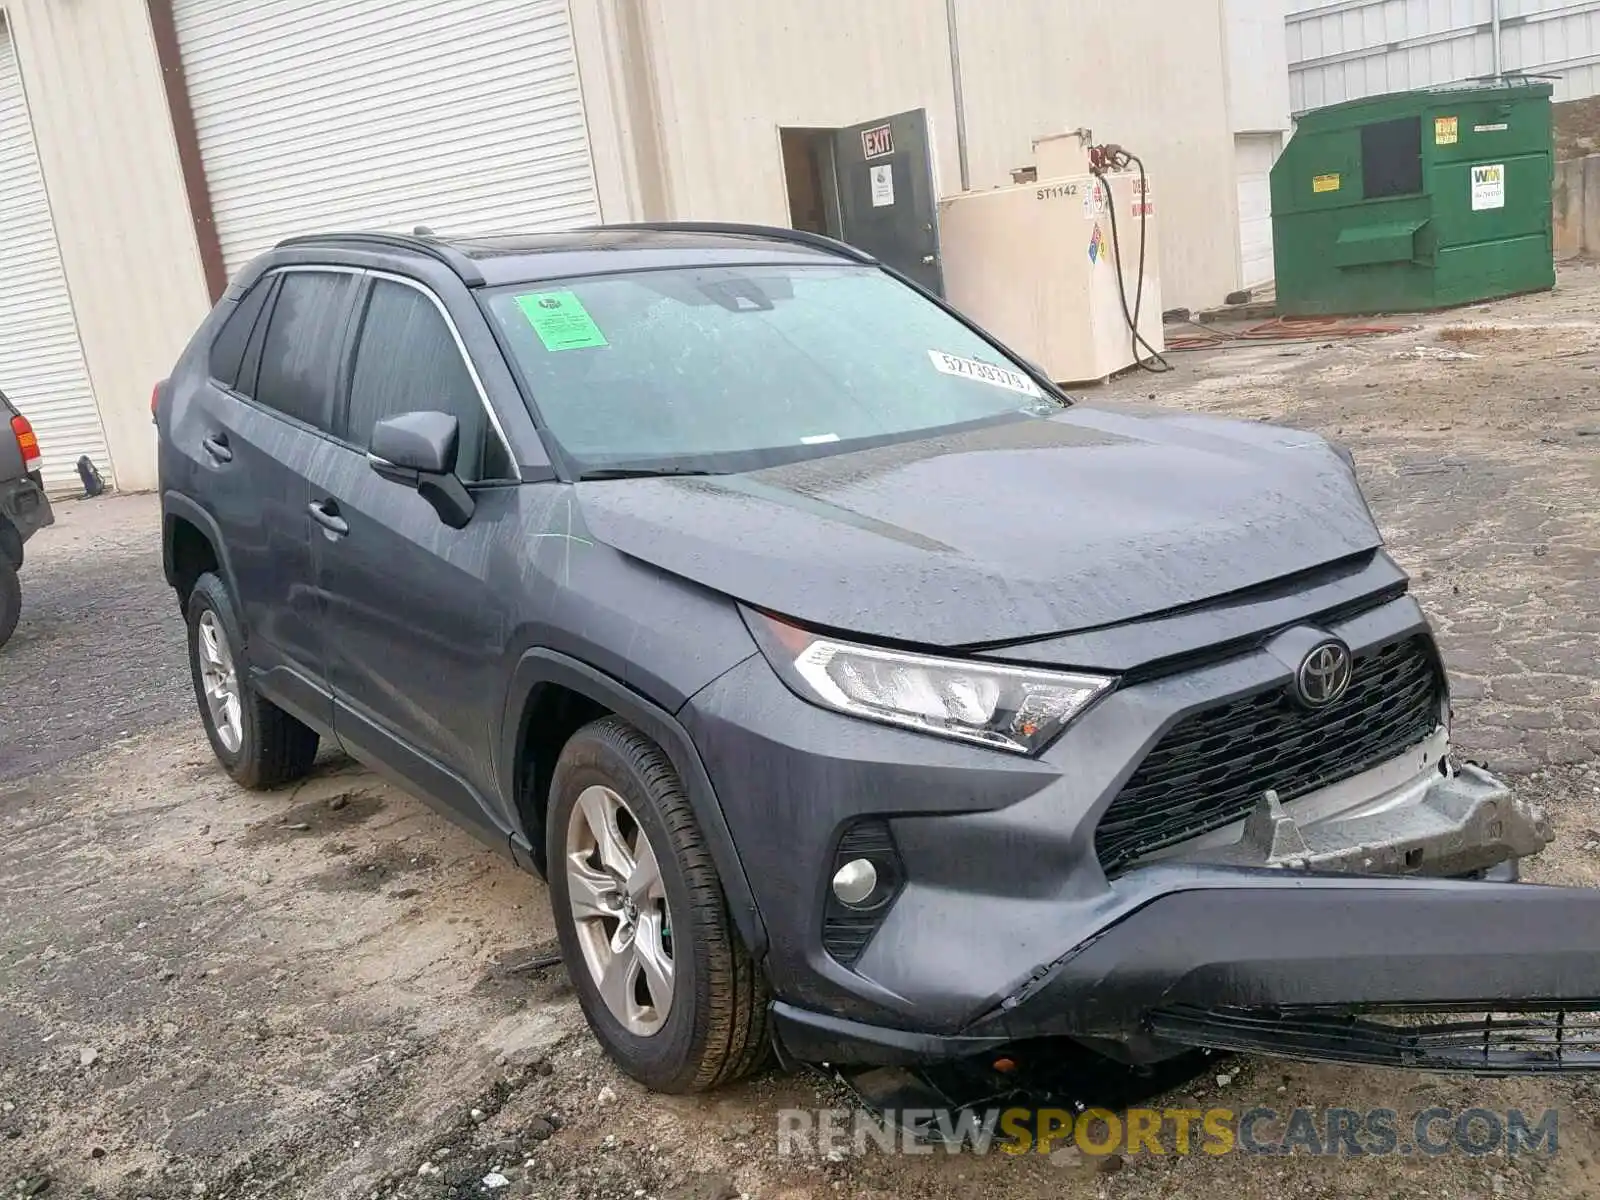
[1416, 200]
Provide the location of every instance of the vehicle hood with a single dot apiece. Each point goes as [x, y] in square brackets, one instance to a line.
[1021, 530]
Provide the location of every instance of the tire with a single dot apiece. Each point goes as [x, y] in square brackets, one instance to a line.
[10, 600]
[268, 748]
[715, 1028]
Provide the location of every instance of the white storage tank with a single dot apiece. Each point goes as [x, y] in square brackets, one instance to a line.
[1037, 264]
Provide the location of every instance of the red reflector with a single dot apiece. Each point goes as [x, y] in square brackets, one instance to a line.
[27, 442]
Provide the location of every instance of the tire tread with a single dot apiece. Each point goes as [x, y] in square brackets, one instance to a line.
[732, 1039]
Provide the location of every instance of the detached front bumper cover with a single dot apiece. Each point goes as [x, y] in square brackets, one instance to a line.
[1289, 963]
[1283, 941]
[1566, 1039]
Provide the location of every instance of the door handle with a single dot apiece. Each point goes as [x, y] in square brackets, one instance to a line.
[326, 514]
[927, 260]
[216, 445]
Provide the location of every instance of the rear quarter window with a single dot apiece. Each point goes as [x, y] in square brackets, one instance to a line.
[227, 350]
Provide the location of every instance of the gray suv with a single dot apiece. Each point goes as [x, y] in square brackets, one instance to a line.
[860, 695]
[24, 507]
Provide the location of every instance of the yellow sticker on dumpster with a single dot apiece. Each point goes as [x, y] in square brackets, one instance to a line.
[1446, 131]
[1325, 183]
[560, 320]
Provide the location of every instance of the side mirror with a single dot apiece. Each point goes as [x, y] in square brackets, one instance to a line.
[418, 450]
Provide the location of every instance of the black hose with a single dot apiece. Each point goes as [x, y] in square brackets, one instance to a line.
[1132, 317]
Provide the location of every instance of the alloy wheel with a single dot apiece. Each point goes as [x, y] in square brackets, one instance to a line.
[220, 681]
[619, 908]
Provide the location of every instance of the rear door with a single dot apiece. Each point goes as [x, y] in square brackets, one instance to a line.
[416, 641]
[888, 205]
[253, 436]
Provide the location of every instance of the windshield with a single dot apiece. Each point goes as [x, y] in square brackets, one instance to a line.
[730, 369]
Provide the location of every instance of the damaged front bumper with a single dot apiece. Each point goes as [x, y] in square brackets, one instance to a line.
[1281, 962]
[1419, 814]
[1301, 931]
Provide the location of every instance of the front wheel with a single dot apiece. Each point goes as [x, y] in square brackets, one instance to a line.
[667, 986]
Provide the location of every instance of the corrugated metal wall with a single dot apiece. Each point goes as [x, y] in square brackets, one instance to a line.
[110, 166]
[385, 114]
[41, 362]
[1345, 49]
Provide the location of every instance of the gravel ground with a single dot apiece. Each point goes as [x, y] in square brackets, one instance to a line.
[98, 655]
[326, 992]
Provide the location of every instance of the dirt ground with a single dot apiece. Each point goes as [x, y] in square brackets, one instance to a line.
[326, 992]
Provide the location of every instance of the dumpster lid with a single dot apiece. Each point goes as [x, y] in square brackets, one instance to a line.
[1424, 99]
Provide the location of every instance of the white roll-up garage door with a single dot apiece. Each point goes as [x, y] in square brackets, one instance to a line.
[1254, 155]
[462, 115]
[41, 360]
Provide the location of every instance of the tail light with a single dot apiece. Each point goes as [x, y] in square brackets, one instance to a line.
[155, 399]
[27, 442]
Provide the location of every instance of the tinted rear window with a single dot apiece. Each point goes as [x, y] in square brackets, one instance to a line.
[300, 356]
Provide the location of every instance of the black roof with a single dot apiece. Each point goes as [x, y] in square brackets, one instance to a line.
[521, 258]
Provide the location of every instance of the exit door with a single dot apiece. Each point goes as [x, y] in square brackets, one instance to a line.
[887, 204]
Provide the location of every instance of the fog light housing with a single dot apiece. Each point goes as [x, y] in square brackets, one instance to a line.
[865, 878]
[855, 882]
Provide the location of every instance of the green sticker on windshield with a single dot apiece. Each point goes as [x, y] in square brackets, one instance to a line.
[561, 321]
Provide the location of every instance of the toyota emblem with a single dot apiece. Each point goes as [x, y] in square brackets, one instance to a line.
[1324, 675]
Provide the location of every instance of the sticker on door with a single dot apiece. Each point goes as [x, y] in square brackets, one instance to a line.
[882, 186]
[1488, 187]
[982, 372]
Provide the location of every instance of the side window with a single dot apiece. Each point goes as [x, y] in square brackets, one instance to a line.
[300, 354]
[1391, 158]
[407, 361]
[250, 368]
[227, 351]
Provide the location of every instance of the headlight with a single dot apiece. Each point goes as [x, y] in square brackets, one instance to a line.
[1009, 708]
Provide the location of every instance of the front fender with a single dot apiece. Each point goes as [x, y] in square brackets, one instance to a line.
[541, 666]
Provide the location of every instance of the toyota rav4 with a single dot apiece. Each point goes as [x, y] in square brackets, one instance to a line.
[859, 694]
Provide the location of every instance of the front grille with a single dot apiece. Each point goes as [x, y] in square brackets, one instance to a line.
[1212, 767]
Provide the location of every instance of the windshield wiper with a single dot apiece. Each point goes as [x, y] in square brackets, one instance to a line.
[642, 472]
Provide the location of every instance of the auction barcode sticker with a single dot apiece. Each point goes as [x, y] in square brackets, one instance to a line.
[971, 368]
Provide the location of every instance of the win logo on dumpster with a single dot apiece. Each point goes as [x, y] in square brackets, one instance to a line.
[1488, 187]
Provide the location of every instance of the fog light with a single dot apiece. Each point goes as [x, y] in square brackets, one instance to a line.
[855, 882]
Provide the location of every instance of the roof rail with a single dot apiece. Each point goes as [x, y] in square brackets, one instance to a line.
[775, 233]
[433, 248]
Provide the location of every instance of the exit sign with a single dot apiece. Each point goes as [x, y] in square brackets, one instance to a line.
[877, 141]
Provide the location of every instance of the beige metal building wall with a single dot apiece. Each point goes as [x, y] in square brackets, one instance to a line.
[110, 165]
[725, 86]
[1148, 74]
